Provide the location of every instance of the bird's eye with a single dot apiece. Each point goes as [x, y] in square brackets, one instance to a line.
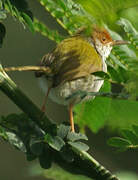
[103, 39]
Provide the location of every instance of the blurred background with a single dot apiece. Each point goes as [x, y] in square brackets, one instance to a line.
[21, 47]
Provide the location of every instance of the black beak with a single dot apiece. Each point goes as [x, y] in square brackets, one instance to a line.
[119, 42]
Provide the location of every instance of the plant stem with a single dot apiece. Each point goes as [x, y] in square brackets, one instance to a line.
[99, 172]
[22, 101]
[85, 164]
[44, 69]
[120, 96]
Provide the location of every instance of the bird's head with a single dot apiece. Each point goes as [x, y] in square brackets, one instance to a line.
[103, 42]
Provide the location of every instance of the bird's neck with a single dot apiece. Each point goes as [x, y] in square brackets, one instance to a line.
[102, 50]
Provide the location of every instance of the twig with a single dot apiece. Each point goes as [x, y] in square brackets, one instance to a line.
[83, 94]
[86, 165]
[111, 95]
[29, 68]
[47, 70]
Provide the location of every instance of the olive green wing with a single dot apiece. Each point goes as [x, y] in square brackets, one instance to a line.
[75, 58]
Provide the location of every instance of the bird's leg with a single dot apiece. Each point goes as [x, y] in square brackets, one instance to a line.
[43, 109]
[71, 117]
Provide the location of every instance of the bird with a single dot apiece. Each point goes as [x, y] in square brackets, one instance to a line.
[72, 64]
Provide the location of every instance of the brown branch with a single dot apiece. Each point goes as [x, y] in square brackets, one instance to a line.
[44, 69]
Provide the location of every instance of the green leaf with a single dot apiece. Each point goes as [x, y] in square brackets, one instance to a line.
[10, 122]
[76, 136]
[63, 130]
[30, 156]
[45, 159]
[129, 135]
[16, 141]
[3, 134]
[36, 146]
[3, 14]
[67, 155]
[8, 6]
[115, 76]
[120, 57]
[70, 15]
[79, 146]
[100, 10]
[118, 142]
[20, 11]
[101, 74]
[93, 113]
[117, 60]
[130, 31]
[28, 21]
[135, 129]
[123, 114]
[55, 142]
[45, 31]
[62, 4]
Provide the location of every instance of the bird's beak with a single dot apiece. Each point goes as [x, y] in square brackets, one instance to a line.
[119, 42]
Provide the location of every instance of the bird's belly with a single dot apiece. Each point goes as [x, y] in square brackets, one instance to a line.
[61, 93]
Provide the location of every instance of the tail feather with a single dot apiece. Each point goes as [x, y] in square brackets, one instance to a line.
[46, 62]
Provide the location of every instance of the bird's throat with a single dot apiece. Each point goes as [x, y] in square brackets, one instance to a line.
[103, 50]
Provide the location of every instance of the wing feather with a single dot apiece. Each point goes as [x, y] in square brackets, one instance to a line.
[73, 58]
[77, 60]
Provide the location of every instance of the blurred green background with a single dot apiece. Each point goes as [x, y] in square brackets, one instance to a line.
[21, 47]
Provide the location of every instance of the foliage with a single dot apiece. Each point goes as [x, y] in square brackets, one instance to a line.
[131, 32]
[22, 133]
[68, 14]
[71, 15]
[45, 31]
[107, 11]
[117, 67]
[45, 140]
[120, 68]
[20, 11]
[129, 140]
[49, 142]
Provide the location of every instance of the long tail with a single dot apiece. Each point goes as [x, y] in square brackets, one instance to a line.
[42, 69]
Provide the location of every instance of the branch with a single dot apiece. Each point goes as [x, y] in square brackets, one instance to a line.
[101, 94]
[21, 100]
[110, 95]
[47, 70]
[86, 165]
[83, 163]
[29, 68]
